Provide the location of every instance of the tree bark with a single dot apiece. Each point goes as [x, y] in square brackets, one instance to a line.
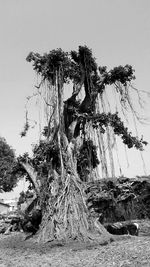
[67, 217]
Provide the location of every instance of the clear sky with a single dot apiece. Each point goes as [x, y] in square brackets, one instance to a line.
[118, 31]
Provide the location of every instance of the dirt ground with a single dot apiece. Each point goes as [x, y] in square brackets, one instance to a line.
[125, 251]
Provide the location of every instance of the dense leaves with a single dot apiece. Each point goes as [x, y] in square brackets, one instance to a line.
[7, 161]
[44, 155]
[87, 159]
[103, 120]
[121, 74]
[80, 67]
[73, 65]
[48, 64]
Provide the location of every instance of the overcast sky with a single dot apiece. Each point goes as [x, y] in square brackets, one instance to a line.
[118, 31]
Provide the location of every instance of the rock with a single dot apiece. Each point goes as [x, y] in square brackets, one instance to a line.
[123, 228]
[116, 229]
[120, 199]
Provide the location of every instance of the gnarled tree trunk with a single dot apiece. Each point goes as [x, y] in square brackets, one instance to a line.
[66, 216]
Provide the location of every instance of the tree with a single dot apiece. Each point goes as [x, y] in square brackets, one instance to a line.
[7, 161]
[66, 157]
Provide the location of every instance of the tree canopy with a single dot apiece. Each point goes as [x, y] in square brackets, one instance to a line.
[7, 161]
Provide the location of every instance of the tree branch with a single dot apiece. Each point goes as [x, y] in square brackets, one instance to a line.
[32, 176]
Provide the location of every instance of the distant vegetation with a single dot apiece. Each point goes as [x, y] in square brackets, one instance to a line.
[7, 162]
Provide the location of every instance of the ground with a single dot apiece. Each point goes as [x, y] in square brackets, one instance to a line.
[125, 251]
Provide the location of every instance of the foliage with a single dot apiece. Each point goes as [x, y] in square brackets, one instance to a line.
[118, 74]
[45, 157]
[7, 161]
[72, 66]
[18, 171]
[103, 120]
[25, 130]
[24, 196]
[80, 67]
[48, 64]
[44, 154]
[87, 159]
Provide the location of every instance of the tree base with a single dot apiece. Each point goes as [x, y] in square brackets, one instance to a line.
[68, 219]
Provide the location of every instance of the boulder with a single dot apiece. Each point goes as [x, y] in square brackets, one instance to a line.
[123, 228]
[123, 199]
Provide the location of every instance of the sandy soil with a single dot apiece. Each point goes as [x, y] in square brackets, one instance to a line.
[125, 251]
